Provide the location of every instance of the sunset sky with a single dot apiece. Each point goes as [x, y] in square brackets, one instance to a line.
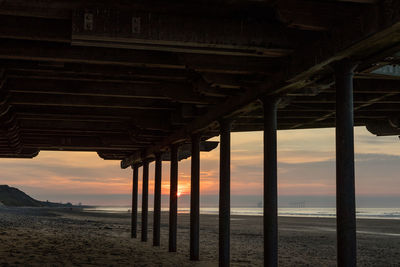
[306, 167]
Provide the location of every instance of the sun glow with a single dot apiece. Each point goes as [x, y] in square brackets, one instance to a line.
[179, 193]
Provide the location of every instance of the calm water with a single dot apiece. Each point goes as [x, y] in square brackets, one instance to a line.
[372, 213]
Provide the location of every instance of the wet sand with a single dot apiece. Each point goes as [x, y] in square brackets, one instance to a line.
[59, 237]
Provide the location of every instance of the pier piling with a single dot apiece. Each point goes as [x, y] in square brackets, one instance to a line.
[345, 184]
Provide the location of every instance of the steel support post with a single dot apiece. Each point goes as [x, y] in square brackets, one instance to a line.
[173, 199]
[145, 199]
[195, 199]
[345, 184]
[270, 183]
[224, 193]
[134, 201]
[157, 201]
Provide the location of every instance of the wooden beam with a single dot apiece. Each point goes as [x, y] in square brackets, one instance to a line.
[393, 97]
[50, 52]
[232, 65]
[58, 53]
[90, 72]
[43, 124]
[112, 155]
[46, 99]
[76, 143]
[178, 92]
[76, 112]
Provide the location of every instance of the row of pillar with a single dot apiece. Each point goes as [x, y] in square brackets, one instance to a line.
[173, 205]
[345, 185]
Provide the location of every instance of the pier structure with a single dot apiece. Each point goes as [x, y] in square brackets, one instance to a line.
[138, 81]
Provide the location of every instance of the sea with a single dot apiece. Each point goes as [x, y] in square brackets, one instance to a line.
[361, 213]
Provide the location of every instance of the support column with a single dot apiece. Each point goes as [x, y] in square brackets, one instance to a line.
[157, 201]
[224, 193]
[270, 183]
[195, 199]
[145, 199]
[173, 199]
[134, 201]
[345, 184]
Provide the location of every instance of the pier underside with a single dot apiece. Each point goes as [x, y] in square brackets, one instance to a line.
[127, 79]
[132, 80]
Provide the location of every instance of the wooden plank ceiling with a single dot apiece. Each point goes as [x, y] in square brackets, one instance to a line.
[129, 78]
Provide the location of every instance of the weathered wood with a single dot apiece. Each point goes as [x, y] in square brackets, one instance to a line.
[185, 150]
[85, 72]
[155, 120]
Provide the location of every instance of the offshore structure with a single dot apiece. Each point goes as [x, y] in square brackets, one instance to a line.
[140, 81]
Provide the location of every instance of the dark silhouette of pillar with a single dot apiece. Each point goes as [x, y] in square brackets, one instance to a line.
[224, 192]
[145, 199]
[157, 201]
[345, 184]
[270, 183]
[134, 201]
[173, 199]
[195, 199]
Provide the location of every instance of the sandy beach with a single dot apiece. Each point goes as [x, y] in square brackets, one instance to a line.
[55, 237]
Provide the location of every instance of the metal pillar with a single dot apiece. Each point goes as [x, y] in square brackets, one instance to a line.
[145, 199]
[345, 184]
[195, 199]
[270, 184]
[173, 199]
[134, 201]
[224, 193]
[157, 201]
